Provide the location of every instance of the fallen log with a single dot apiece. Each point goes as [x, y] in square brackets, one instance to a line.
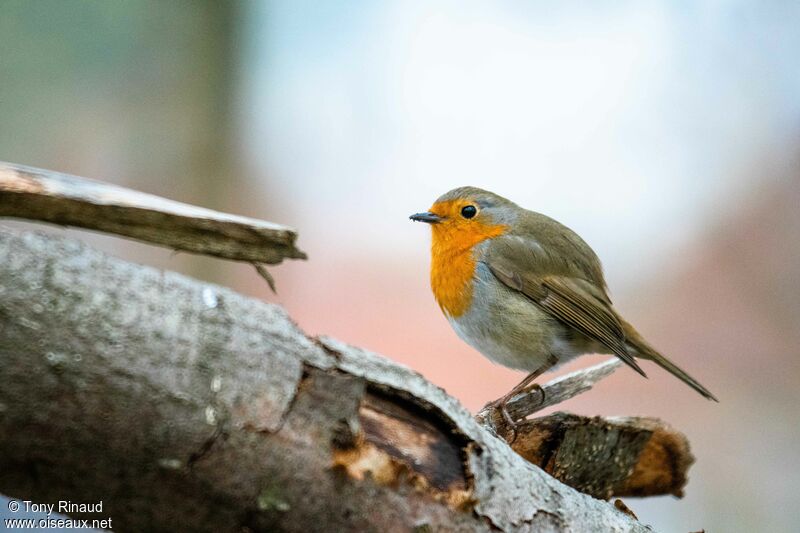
[183, 405]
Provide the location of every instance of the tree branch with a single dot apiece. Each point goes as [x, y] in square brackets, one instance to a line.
[604, 457]
[49, 196]
[186, 406]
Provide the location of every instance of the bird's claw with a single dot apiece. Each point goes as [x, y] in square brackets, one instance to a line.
[535, 386]
[508, 422]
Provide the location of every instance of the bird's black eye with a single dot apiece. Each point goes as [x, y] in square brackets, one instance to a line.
[468, 211]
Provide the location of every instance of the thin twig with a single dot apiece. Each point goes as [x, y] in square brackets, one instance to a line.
[264, 273]
[553, 392]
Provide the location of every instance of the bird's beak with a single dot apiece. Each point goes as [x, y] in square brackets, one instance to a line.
[430, 218]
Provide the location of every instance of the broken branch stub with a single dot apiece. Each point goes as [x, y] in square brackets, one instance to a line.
[605, 457]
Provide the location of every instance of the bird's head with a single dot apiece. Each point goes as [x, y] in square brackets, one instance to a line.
[460, 220]
[465, 216]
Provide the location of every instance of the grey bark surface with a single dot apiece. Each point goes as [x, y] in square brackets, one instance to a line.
[185, 406]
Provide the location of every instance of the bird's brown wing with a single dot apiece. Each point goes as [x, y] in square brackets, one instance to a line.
[574, 301]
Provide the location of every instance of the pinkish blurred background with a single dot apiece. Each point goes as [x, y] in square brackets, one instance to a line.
[666, 134]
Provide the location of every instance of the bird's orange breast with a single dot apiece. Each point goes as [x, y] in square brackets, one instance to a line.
[453, 264]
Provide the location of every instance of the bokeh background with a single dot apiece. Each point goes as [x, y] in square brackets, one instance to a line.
[667, 134]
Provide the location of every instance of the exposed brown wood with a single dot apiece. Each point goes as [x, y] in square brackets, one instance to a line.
[399, 440]
[57, 198]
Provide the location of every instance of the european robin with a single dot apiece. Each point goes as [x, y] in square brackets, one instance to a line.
[526, 291]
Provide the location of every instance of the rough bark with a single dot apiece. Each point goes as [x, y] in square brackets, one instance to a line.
[49, 196]
[185, 406]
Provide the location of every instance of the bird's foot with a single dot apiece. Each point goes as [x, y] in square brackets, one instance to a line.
[502, 421]
[504, 424]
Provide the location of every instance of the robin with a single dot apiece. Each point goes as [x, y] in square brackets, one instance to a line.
[526, 291]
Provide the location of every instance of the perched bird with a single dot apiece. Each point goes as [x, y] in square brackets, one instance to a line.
[524, 290]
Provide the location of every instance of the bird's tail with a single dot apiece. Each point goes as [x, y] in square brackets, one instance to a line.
[645, 351]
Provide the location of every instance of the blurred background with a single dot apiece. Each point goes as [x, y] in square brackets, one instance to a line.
[667, 134]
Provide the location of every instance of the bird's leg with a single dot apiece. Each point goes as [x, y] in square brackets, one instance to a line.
[523, 386]
[551, 362]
